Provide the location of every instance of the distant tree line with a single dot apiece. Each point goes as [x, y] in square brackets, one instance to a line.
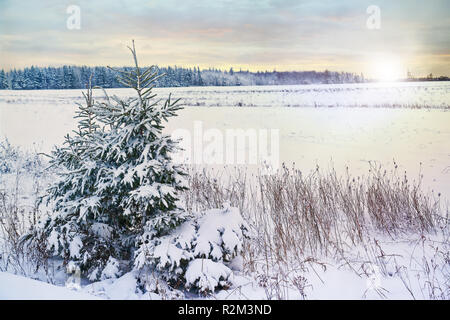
[429, 77]
[76, 77]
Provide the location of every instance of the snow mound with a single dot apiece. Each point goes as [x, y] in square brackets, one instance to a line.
[13, 287]
[123, 288]
[220, 234]
[206, 274]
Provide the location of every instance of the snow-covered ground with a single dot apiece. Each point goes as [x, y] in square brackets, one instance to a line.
[372, 122]
[409, 270]
[393, 94]
[17, 287]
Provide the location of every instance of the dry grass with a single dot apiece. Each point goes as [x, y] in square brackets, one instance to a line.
[21, 185]
[319, 212]
[299, 219]
[16, 217]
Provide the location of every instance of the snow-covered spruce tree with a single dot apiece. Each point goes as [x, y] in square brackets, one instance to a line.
[116, 180]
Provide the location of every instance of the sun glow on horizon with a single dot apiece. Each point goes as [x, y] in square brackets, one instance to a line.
[387, 68]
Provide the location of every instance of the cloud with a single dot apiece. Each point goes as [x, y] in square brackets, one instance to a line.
[262, 34]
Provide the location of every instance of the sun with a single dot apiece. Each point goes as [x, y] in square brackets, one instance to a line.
[387, 68]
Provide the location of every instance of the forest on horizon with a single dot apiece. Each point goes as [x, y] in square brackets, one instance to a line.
[77, 77]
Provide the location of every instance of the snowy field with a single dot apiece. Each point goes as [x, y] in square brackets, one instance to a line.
[394, 94]
[339, 126]
[418, 140]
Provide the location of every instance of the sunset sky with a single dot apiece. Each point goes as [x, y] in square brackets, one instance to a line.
[254, 35]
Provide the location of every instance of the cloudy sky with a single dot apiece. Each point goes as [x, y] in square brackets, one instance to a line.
[248, 34]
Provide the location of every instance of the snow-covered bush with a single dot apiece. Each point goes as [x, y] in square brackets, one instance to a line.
[8, 157]
[195, 255]
[15, 160]
[116, 180]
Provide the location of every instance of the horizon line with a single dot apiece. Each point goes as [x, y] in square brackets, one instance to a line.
[226, 69]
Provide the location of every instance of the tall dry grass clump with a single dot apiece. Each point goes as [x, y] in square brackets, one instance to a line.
[22, 182]
[319, 212]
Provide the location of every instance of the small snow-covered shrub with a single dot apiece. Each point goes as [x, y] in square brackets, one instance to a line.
[14, 160]
[196, 254]
[8, 157]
